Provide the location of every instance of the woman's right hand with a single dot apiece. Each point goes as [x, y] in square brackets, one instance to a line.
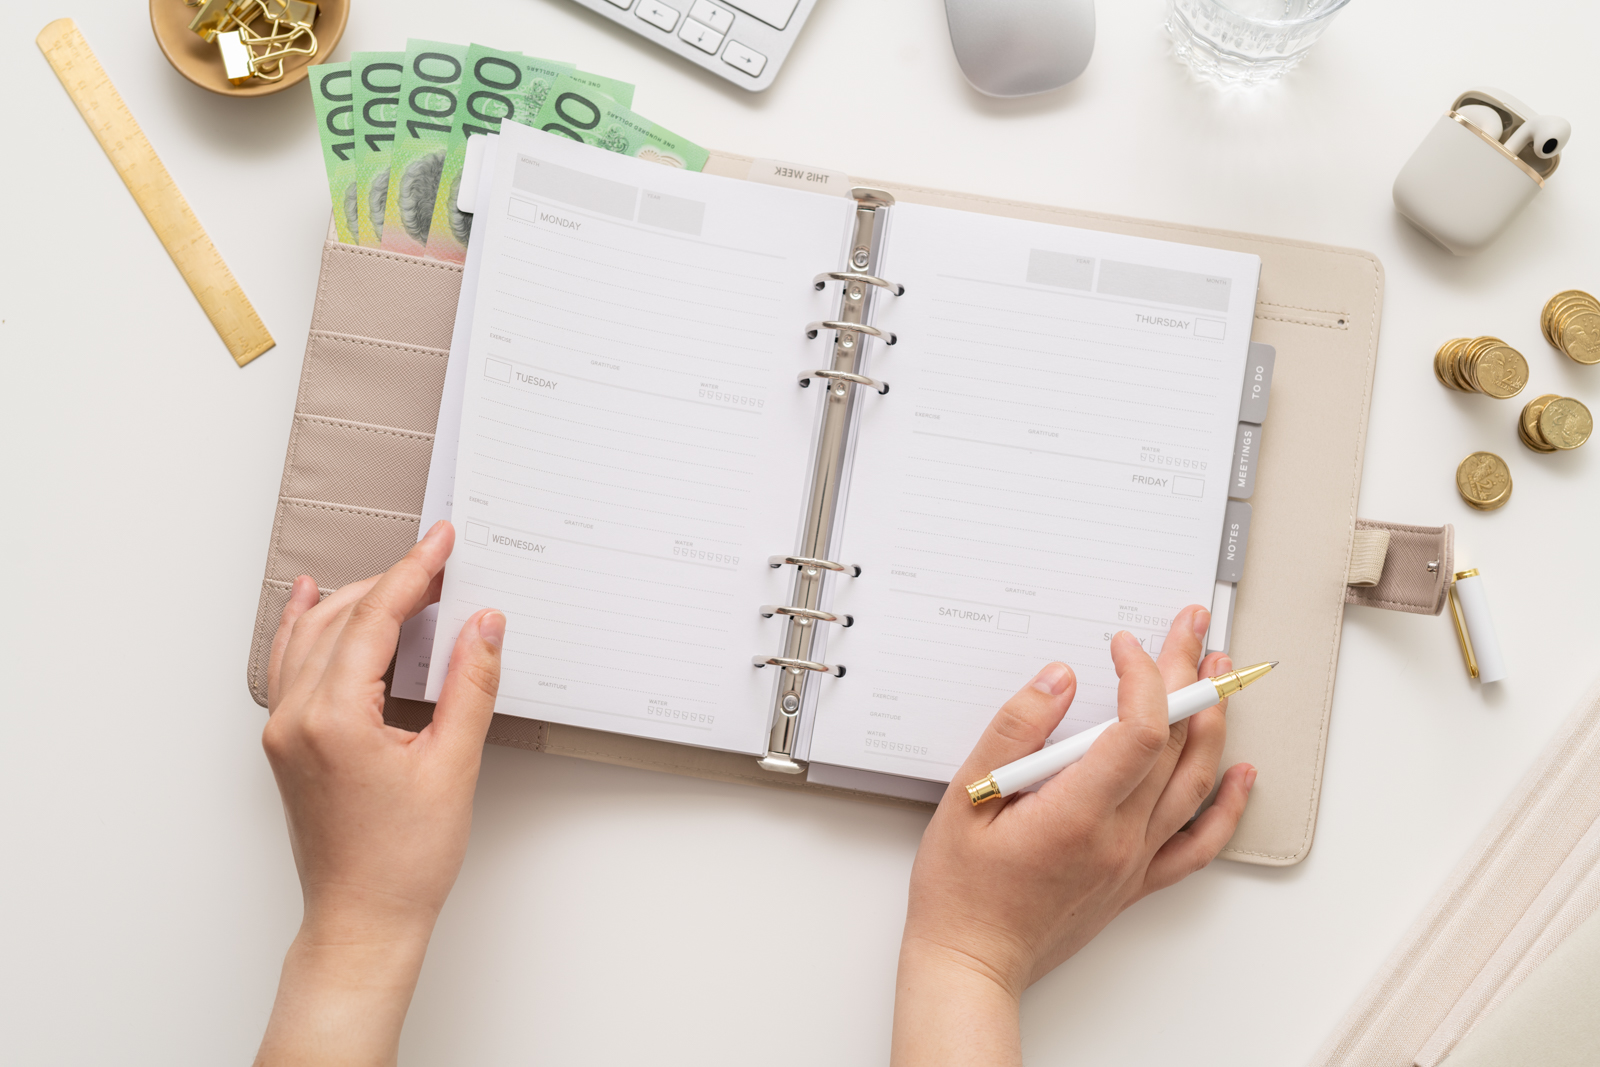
[1003, 893]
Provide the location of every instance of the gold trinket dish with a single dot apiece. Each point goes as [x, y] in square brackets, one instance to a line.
[202, 62]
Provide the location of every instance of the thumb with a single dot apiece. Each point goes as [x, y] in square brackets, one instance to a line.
[466, 702]
[1021, 726]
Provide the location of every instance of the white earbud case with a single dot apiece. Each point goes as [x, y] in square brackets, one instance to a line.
[1462, 187]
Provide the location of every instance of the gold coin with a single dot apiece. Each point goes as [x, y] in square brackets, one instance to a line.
[1466, 357]
[1528, 424]
[1580, 336]
[1474, 354]
[1566, 297]
[1560, 303]
[1458, 355]
[1565, 310]
[1530, 444]
[1484, 481]
[1500, 371]
[1565, 423]
[1444, 363]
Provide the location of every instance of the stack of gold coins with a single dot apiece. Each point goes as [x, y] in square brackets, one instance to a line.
[1484, 365]
[1484, 481]
[1571, 322]
[1553, 423]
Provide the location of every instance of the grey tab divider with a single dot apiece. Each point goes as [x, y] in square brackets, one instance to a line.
[1257, 383]
[1246, 454]
[1235, 539]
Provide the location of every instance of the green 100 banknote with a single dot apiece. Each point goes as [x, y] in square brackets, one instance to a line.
[333, 97]
[375, 85]
[430, 103]
[394, 129]
[575, 110]
[498, 85]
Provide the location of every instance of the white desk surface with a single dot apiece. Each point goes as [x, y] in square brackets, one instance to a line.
[612, 916]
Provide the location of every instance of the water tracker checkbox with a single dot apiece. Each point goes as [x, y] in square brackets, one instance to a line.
[496, 371]
[477, 533]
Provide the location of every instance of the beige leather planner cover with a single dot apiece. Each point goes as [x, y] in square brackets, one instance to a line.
[369, 393]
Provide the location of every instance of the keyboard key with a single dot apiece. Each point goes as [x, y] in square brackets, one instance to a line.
[774, 13]
[743, 57]
[624, 4]
[718, 18]
[702, 37]
[658, 14]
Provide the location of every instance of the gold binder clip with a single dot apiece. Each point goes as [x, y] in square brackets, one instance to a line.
[237, 63]
[218, 17]
[248, 52]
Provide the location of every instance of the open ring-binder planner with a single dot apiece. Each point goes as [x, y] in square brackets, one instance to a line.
[647, 420]
[378, 429]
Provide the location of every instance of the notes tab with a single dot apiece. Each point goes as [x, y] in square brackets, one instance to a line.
[1235, 539]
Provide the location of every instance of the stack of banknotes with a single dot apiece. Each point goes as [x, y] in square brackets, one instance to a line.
[394, 129]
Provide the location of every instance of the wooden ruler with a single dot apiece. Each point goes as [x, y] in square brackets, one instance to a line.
[154, 191]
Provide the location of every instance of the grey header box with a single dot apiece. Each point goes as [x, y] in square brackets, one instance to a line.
[1246, 454]
[574, 187]
[1061, 270]
[1165, 286]
[672, 213]
[1235, 539]
[1257, 383]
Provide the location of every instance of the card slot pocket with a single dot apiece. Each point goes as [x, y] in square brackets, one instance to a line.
[372, 293]
[363, 379]
[356, 464]
[335, 543]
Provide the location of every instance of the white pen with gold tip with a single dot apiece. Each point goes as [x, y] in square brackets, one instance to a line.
[1053, 759]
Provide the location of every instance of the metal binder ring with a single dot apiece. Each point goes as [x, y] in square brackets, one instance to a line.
[806, 561]
[769, 610]
[886, 336]
[824, 278]
[837, 670]
[842, 376]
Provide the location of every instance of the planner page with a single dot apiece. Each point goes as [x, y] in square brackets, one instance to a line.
[633, 443]
[1049, 467]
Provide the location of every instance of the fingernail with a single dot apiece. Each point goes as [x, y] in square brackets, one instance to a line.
[1224, 665]
[1052, 681]
[492, 628]
[1201, 623]
[436, 530]
[1250, 779]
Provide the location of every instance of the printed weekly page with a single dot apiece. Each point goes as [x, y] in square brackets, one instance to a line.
[415, 652]
[1050, 467]
[633, 443]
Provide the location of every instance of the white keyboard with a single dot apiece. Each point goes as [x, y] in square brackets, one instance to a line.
[745, 42]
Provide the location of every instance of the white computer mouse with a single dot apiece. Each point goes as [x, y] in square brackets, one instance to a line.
[1021, 47]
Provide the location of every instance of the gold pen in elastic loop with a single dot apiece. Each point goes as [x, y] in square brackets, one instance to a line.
[1461, 622]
